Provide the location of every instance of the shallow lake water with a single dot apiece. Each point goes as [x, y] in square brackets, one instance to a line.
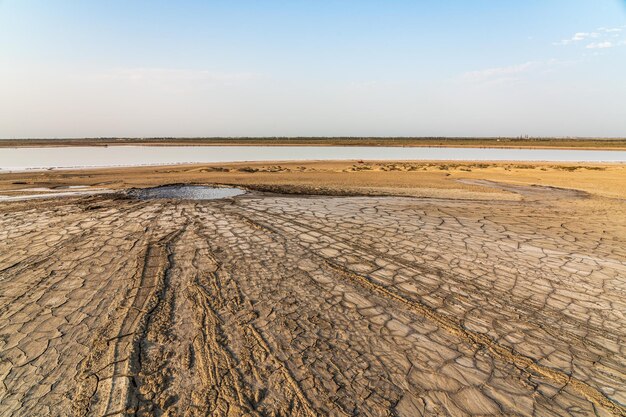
[185, 192]
[17, 159]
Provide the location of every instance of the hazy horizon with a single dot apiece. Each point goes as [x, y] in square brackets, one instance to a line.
[520, 137]
[312, 69]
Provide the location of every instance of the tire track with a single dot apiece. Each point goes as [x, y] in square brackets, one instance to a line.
[476, 340]
[108, 373]
[221, 305]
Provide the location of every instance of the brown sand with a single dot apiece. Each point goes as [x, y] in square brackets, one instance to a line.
[493, 296]
[419, 179]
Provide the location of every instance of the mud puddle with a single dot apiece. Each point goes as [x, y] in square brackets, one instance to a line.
[186, 192]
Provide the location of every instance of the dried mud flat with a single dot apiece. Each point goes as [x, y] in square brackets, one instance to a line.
[270, 305]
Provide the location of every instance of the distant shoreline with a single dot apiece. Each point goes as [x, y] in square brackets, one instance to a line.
[510, 143]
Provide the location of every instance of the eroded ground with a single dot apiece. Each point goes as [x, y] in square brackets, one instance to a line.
[269, 305]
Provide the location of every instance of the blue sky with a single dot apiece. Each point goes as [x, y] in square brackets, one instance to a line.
[265, 68]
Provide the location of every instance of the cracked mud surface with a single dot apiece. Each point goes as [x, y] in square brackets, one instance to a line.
[303, 306]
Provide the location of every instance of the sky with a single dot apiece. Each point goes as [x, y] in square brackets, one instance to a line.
[121, 68]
